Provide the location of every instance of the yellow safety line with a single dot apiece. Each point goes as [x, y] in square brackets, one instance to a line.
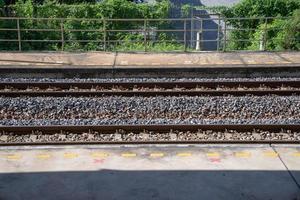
[213, 154]
[43, 156]
[296, 154]
[271, 154]
[184, 154]
[128, 154]
[99, 155]
[14, 156]
[242, 154]
[158, 154]
[70, 155]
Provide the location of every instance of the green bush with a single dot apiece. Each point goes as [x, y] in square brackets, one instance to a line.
[106, 9]
[185, 10]
[252, 9]
[280, 34]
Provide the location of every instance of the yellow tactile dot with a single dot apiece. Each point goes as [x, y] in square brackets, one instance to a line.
[70, 155]
[14, 156]
[188, 62]
[156, 154]
[124, 62]
[128, 155]
[99, 155]
[270, 154]
[213, 154]
[184, 154]
[296, 154]
[242, 154]
[43, 156]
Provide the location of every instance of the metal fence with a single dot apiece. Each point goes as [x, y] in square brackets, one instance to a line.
[180, 34]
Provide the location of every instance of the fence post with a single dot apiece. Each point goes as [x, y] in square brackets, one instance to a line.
[265, 34]
[104, 34]
[19, 34]
[184, 35]
[145, 34]
[192, 33]
[199, 37]
[62, 34]
[225, 34]
[219, 25]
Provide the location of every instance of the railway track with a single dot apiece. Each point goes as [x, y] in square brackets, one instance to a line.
[190, 88]
[148, 134]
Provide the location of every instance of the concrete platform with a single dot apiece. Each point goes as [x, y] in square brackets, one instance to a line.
[151, 172]
[106, 60]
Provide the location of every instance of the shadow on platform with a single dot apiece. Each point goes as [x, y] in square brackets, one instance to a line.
[143, 185]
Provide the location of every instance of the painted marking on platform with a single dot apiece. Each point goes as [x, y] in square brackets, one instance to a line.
[99, 155]
[220, 63]
[213, 154]
[155, 64]
[296, 154]
[124, 62]
[158, 154]
[242, 154]
[99, 161]
[139, 63]
[128, 155]
[171, 63]
[106, 64]
[43, 156]
[14, 156]
[187, 62]
[70, 155]
[184, 154]
[271, 154]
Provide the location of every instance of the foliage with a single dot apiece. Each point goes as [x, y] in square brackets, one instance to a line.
[260, 8]
[252, 28]
[280, 34]
[213, 9]
[185, 10]
[163, 43]
[84, 40]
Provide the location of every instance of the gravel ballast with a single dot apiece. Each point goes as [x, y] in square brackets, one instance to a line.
[115, 80]
[149, 110]
[148, 136]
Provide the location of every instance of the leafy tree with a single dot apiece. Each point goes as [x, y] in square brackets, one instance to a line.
[106, 9]
[281, 34]
[251, 9]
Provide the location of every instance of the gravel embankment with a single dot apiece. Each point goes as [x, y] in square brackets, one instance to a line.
[149, 110]
[123, 136]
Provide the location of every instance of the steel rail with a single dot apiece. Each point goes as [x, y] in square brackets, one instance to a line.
[109, 129]
[152, 93]
[167, 88]
[164, 84]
